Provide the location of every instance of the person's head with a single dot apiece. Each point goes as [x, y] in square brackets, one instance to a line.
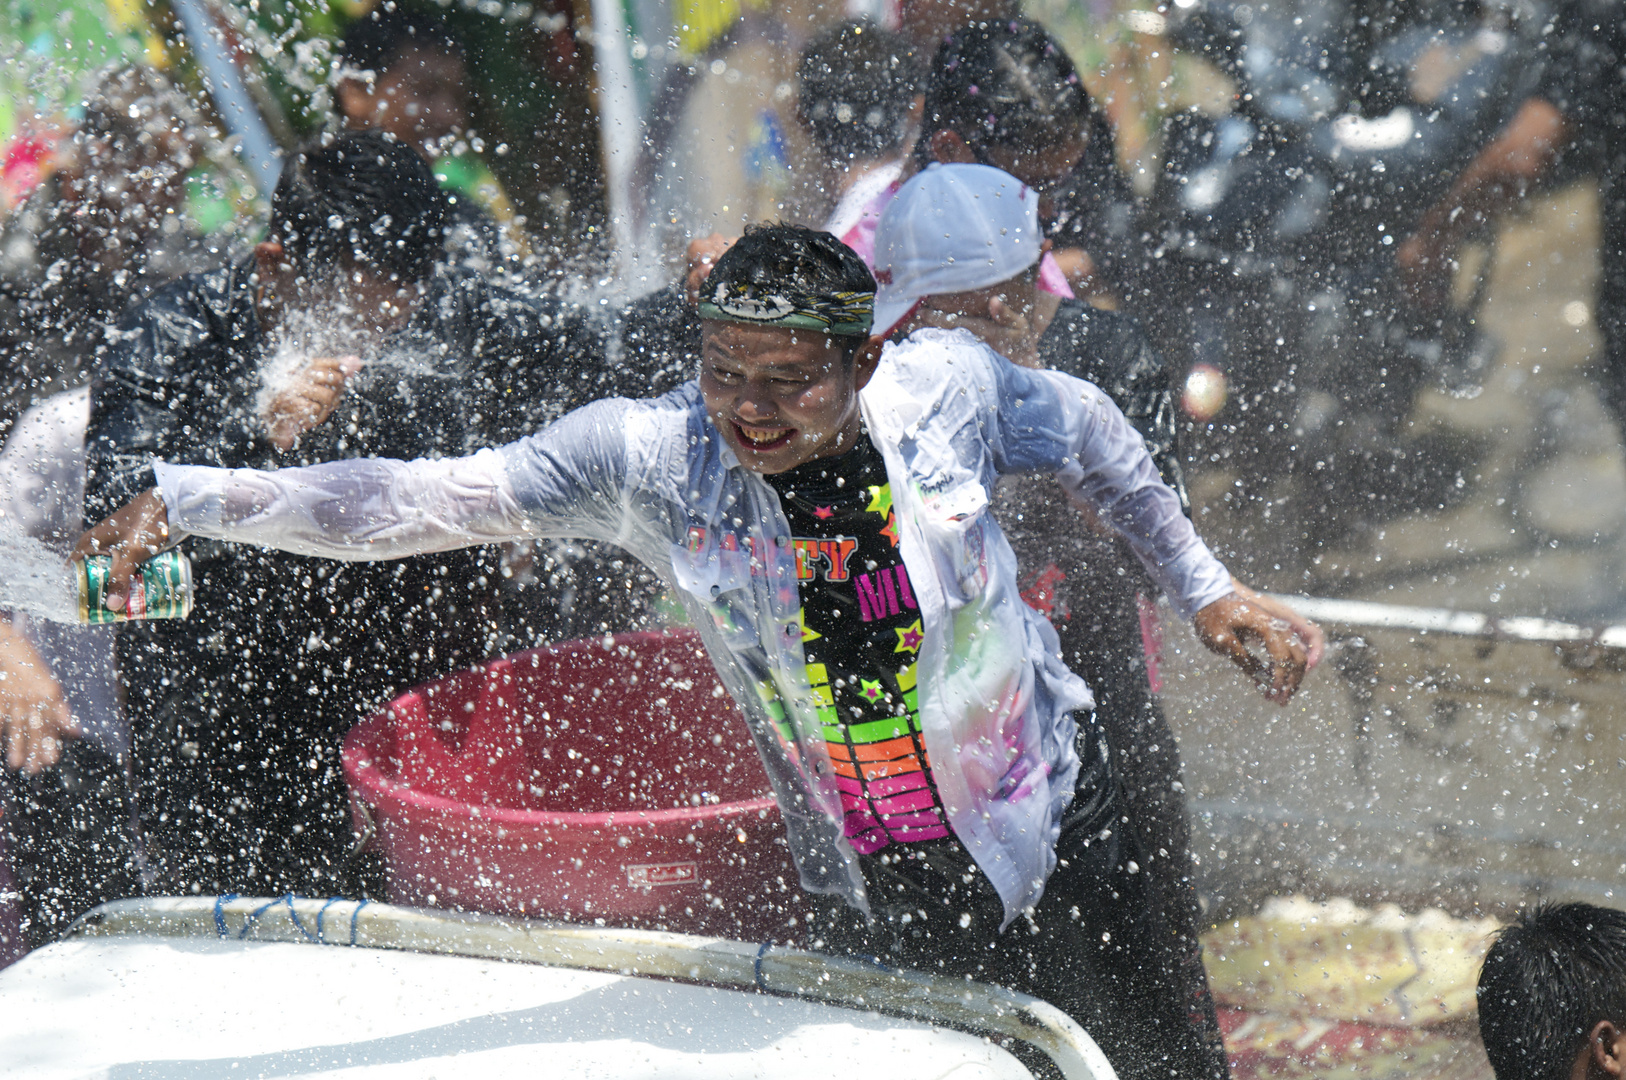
[1552, 995]
[856, 90]
[403, 72]
[130, 156]
[929, 22]
[356, 229]
[786, 346]
[1004, 93]
[956, 238]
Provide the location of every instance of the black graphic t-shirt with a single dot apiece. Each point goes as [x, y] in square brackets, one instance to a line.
[861, 635]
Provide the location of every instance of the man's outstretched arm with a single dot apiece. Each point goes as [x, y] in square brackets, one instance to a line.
[367, 509]
[358, 510]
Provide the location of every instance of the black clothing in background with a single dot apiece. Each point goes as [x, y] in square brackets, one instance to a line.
[1086, 582]
[57, 302]
[238, 713]
[1585, 78]
[68, 839]
[1097, 210]
[560, 590]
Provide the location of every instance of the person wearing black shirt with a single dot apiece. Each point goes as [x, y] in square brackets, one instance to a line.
[238, 716]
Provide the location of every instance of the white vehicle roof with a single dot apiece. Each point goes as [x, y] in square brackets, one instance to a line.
[204, 988]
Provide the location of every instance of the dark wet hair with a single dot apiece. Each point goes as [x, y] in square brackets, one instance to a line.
[377, 39]
[1003, 83]
[793, 260]
[856, 83]
[360, 198]
[1547, 981]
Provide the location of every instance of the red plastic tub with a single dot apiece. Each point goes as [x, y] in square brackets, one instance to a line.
[597, 780]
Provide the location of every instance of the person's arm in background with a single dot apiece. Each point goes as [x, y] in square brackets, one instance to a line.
[35, 721]
[1491, 184]
[40, 490]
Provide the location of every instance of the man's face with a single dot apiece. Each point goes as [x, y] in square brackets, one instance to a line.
[422, 98]
[780, 398]
[350, 308]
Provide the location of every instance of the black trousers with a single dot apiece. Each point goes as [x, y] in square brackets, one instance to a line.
[249, 803]
[1146, 761]
[1096, 946]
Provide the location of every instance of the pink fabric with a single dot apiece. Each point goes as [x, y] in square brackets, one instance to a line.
[861, 238]
[882, 787]
[868, 836]
[891, 806]
[1151, 642]
[1052, 280]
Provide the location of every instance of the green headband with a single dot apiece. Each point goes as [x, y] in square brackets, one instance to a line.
[848, 314]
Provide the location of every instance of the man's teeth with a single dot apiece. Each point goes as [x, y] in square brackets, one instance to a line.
[762, 435]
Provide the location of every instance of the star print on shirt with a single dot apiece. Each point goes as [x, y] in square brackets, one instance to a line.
[807, 634]
[823, 512]
[872, 689]
[891, 530]
[910, 638]
[880, 500]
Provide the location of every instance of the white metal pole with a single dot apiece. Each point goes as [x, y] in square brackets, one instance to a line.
[232, 101]
[620, 126]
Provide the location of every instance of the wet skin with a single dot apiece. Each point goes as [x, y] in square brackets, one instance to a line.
[781, 398]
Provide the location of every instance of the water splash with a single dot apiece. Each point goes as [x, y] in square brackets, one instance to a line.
[329, 330]
[34, 579]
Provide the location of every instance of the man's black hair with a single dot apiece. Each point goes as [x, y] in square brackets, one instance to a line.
[856, 84]
[1547, 981]
[791, 259]
[376, 40]
[1004, 83]
[361, 199]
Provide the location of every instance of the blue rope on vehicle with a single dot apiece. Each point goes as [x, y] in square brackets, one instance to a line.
[254, 917]
[319, 938]
[220, 914]
[353, 916]
[321, 934]
[756, 965]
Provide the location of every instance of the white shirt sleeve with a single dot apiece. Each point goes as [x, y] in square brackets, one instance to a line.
[356, 510]
[42, 470]
[1044, 421]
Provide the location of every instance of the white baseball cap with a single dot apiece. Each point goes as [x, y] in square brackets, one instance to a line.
[950, 229]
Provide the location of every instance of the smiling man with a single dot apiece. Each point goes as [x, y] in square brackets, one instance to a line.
[820, 502]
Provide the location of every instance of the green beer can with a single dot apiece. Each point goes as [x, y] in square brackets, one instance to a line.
[162, 591]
